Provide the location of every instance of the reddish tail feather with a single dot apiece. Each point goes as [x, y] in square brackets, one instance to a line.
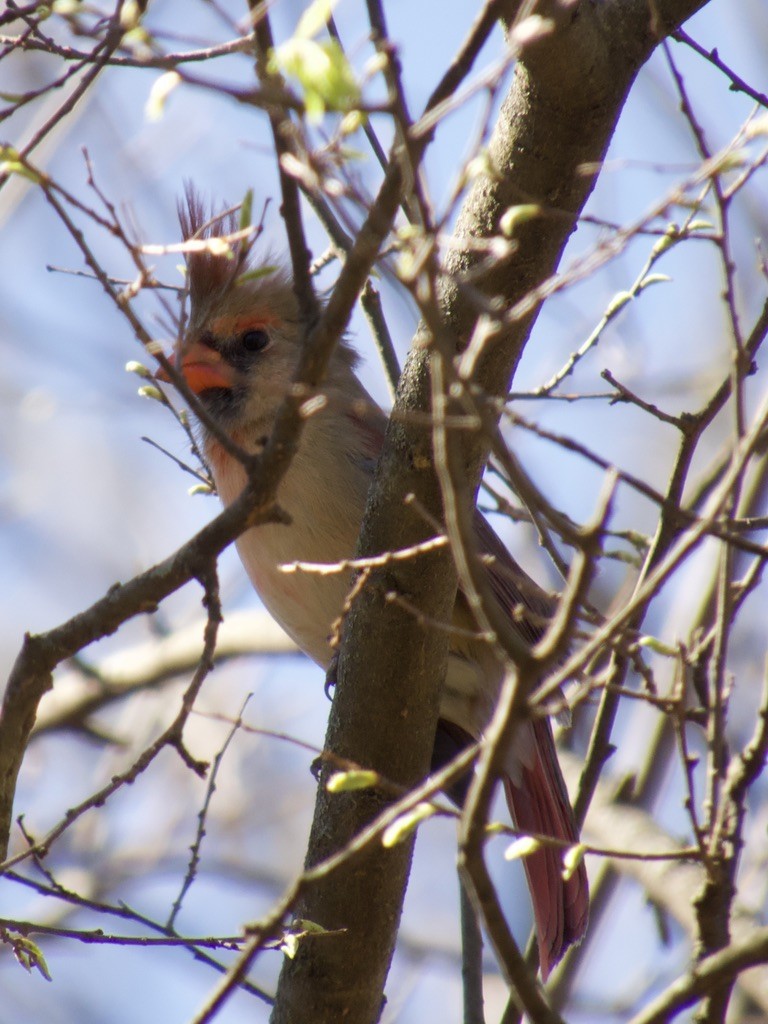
[539, 804]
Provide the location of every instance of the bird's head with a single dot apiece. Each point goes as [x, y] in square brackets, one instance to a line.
[243, 336]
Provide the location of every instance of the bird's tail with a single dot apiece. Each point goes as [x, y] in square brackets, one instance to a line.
[538, 802]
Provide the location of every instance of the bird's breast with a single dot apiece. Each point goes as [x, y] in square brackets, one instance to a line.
[323, 493]
[324, 500]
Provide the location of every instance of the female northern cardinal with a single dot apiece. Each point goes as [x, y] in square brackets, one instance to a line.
[238, 355]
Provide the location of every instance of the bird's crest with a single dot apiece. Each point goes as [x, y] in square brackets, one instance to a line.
[210, 271]
[214, 271]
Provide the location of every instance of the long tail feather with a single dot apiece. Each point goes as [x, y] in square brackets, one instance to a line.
[538, 802]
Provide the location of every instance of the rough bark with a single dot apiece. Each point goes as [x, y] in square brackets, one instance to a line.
[560, 113]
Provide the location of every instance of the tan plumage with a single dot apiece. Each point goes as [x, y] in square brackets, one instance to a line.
[239, 352]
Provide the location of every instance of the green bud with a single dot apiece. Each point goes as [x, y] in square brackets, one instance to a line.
[402, 827]
[522, 847]
[161, 89]
[619, 300]
[574, 855]
[153, 392]
[348, 782]
[516, 215]
[132, 366]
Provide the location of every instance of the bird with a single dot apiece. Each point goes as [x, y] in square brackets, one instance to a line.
[237, 353]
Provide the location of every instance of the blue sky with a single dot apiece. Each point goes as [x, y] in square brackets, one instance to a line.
[85, 502]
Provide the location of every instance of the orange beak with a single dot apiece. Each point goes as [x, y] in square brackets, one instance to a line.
[201, 367]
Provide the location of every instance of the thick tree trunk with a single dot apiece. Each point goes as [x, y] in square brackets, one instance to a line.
[560, 114]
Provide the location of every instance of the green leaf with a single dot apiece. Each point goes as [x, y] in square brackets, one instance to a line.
[246, 210]
[315, 18]
[402, 827]
[348, 782]
[255, 274]
[323, 72]
[29, 955]
[314, 105]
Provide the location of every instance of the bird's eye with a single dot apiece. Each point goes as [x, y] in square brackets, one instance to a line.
[255, 340]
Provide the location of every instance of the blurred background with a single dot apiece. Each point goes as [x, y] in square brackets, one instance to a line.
[86, 502]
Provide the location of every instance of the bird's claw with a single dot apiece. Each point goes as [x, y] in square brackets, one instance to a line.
[330, 676]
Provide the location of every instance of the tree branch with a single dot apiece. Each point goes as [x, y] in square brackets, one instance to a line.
[568, 91]
[673, 883]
